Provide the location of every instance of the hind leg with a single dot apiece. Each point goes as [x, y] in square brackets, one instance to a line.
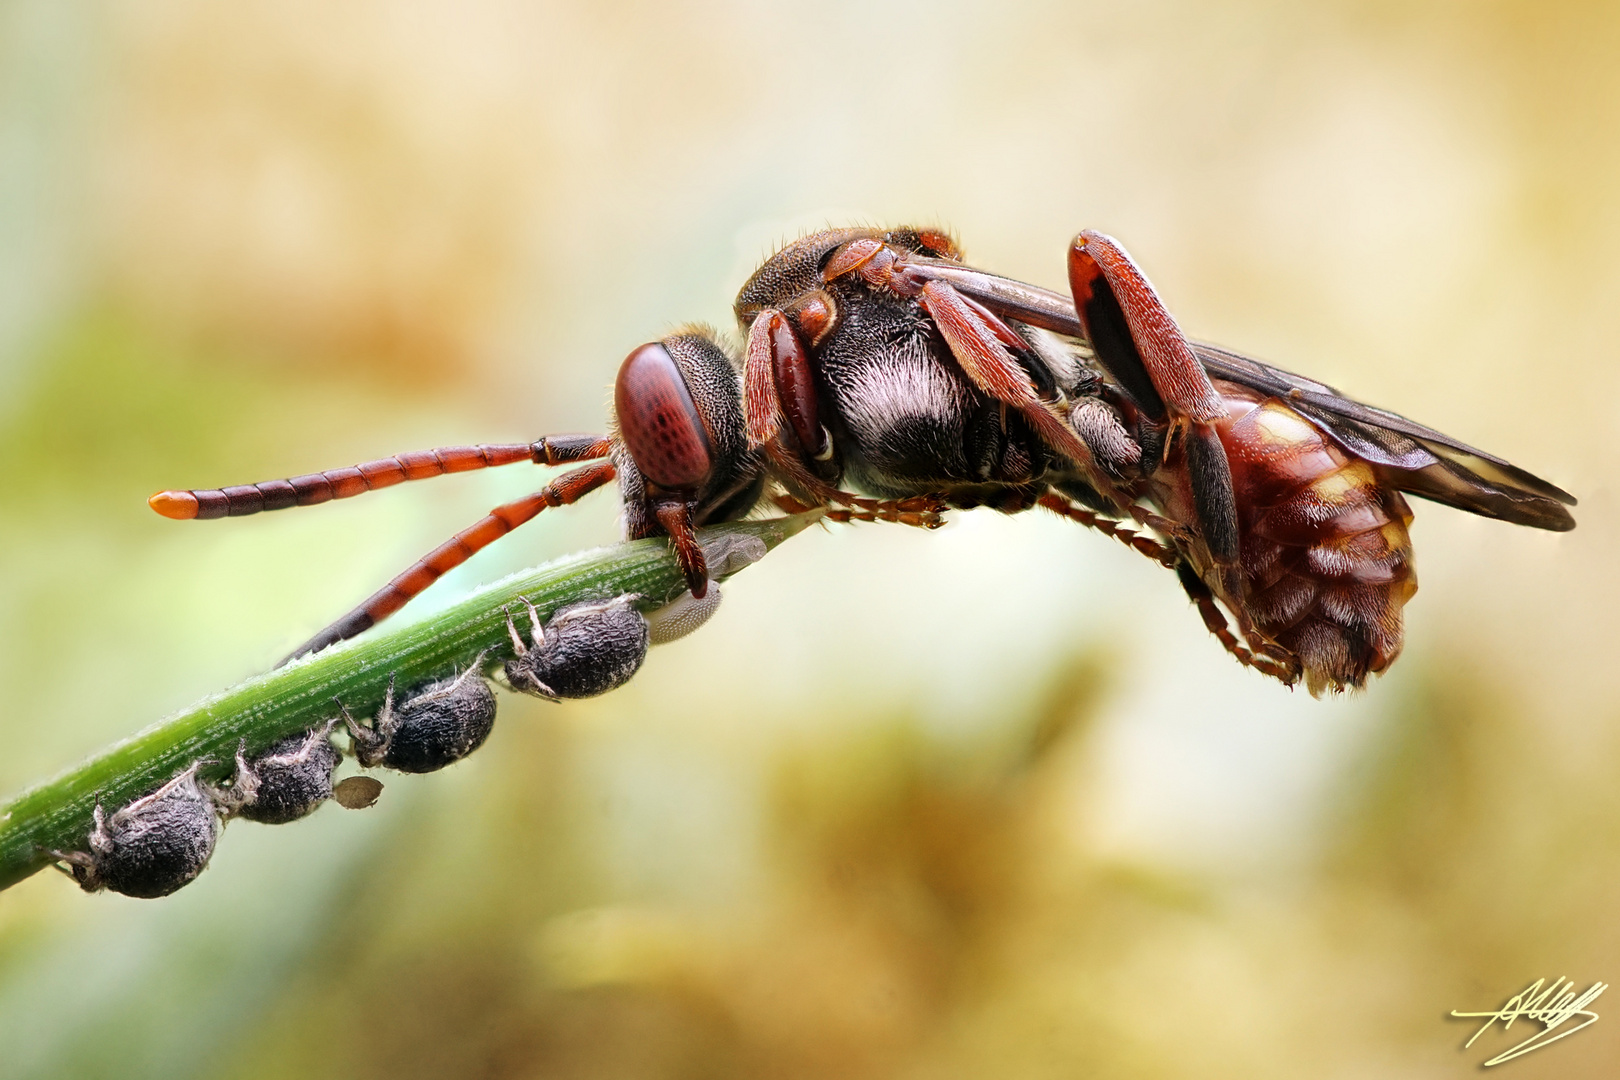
[1138, 542]
[1264, 657]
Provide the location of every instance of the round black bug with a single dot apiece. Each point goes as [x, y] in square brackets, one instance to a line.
[582, 650]
[438, 725]
[152, 846]
[287, 781]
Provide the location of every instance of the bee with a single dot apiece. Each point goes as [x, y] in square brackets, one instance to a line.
[884, 379]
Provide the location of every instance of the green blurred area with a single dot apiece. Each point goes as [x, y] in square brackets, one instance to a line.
[981, 802]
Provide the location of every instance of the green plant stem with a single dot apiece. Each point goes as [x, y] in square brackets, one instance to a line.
[58, 813]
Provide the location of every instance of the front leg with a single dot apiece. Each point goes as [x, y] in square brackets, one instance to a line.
[975, 338]
[779, 389]
[784, 421]
[674, 513]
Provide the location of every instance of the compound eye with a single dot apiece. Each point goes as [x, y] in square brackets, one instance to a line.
[659, 422]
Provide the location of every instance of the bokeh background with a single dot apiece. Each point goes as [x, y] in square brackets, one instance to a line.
[984, 802]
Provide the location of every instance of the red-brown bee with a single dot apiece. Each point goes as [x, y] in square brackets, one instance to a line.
[877, 360]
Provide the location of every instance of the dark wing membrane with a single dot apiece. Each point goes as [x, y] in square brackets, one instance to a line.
[1415, 458]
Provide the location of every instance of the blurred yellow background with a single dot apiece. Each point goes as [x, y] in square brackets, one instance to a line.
[984, 802]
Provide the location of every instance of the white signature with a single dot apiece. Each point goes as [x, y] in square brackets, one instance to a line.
[1552, 1007]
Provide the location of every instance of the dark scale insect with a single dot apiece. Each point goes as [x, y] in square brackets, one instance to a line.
[438, 725]
[154, 845]
[583, 650]
[877, 359]
[592, 647]
[291, 779]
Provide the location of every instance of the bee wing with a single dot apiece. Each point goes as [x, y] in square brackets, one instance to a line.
[1416, 459]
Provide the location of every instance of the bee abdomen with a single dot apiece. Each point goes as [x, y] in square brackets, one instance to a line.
[1326, 558]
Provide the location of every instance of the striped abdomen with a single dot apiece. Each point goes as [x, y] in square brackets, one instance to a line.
[1325, 563]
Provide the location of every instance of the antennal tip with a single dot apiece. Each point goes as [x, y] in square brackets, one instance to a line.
[179, 505]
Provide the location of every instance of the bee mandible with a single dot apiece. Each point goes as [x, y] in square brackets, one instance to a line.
[878, 361]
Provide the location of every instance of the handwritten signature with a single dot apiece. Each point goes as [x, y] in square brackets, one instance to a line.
[1551, 1006]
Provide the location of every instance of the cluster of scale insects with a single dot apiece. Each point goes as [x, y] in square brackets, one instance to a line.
[163, 840]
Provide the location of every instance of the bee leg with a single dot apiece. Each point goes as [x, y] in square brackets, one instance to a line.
[872, 510]
[784, 421]
[568, 488]
[1135, 338]
[921, 511]
[1175, 530]
[675, 515]
[1265, 658]
[1145, 545]
[990, 367]
[1111, 445]
[1012, 499]
[789, 505]
[779, 389]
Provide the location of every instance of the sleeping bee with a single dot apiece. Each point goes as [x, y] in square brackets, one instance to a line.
[884, 379]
